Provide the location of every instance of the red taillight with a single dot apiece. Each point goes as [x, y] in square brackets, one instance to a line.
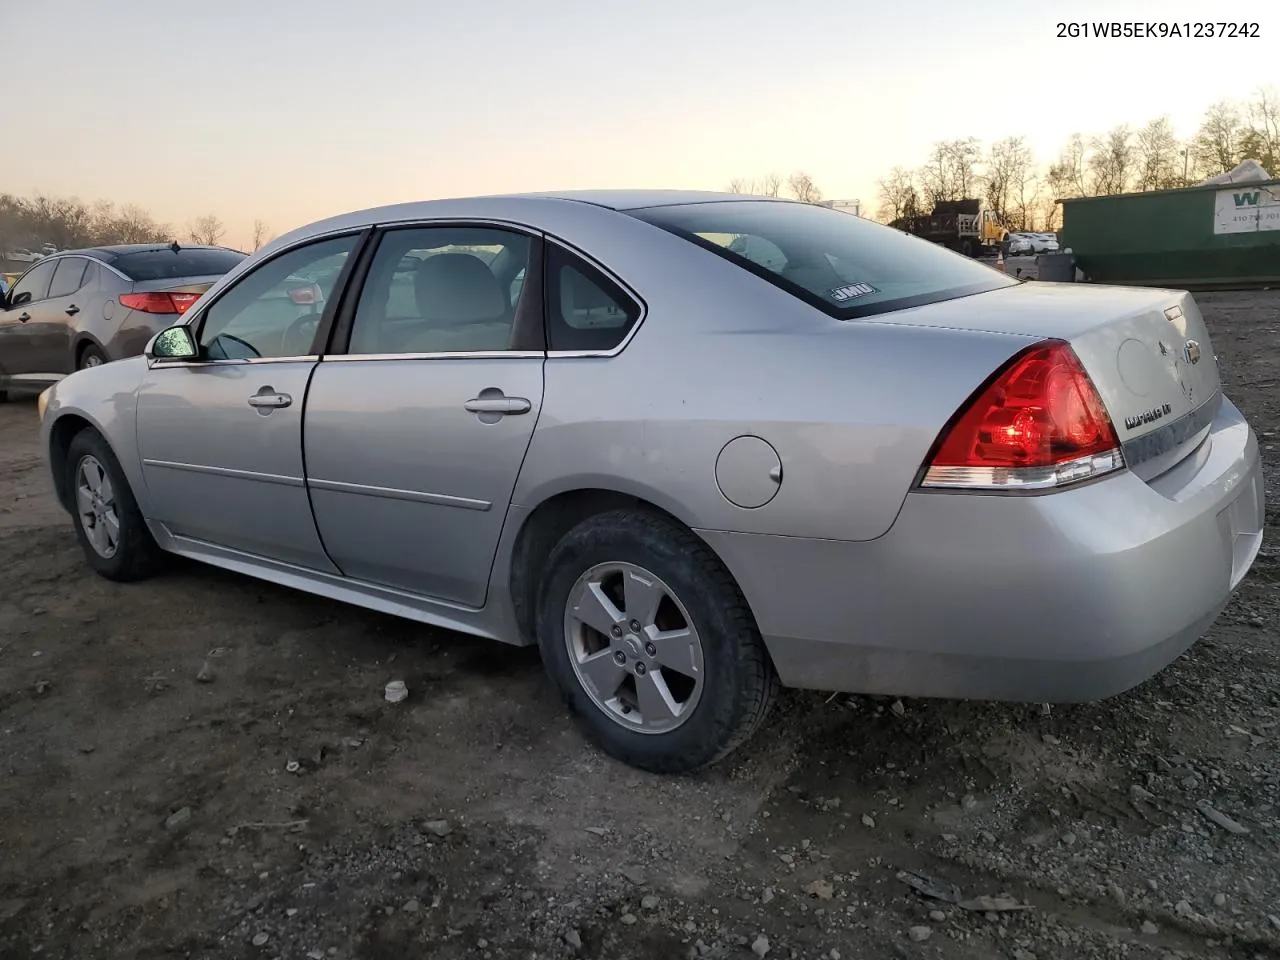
[159, 302]
[305, 296]
[1039, 424]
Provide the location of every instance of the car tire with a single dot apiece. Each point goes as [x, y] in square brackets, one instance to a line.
[731, 682]
[90, 356]
[131, 554]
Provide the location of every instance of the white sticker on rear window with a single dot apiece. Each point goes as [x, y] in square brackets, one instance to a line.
[851, 291]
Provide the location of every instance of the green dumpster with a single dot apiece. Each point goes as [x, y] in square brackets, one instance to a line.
[1217, 236]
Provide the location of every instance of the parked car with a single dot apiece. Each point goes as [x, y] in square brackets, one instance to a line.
[80, 308]
[1020, 245]
[689, 473]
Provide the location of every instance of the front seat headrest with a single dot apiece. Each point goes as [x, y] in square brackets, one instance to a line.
[458, 288]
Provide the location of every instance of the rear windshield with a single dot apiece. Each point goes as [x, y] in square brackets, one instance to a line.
[167, 265]
[839, 262]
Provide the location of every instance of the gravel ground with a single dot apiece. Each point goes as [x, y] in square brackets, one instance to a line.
[205, 766]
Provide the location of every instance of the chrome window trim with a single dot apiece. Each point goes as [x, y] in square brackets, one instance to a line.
[622, 285]
[107, 266]
[459, 355]
[230, 278]
[160, 362]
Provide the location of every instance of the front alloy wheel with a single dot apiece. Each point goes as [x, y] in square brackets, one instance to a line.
[96, 502]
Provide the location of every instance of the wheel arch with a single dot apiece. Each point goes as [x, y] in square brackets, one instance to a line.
[61, 433]
[550, 520]
[82, 340]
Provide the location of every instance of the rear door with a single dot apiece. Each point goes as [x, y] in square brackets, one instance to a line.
[418, 419]
[51, 331]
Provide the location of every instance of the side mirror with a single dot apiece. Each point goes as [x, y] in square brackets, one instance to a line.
[20, 298]
[173, 343]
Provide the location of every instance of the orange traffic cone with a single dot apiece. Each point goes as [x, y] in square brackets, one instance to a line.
[1000, 261]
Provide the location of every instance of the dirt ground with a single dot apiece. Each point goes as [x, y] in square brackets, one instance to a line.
[205, 766]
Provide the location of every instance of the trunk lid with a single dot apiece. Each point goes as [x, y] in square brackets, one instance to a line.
[177, 284]
[1147, 350]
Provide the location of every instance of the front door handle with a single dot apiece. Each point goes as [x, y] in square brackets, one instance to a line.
[24, 317]
[72, 310]
[500, 405]
[269, 399]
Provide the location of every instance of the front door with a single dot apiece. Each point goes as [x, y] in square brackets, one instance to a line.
[221, 438]
[415, 435]
[21, 359]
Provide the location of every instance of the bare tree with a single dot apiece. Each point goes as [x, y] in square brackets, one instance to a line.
[767, 186]
[1261, 141]
[63, 222]
[803, 188]
[1026, 197]
[1009, 182]
[1008, 170]
[897, 195]
[1217, 144]
[260, 237]
[1158, 155]
[207, 230]
[951, 172]
[1111, 165]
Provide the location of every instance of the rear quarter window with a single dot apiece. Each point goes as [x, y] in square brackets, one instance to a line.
[165, 264]
[844, 265]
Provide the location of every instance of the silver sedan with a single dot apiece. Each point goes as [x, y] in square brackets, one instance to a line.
[694, 446]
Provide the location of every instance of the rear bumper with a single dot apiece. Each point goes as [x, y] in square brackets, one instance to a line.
[1066, 597]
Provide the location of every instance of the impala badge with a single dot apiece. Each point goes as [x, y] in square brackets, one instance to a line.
[1192, 352]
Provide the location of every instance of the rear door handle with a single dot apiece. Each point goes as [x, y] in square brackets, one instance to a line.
[270, 400]
[72, 310]
[503, 405]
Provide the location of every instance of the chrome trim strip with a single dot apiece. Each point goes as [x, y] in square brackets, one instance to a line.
[258, 361]
[225, 472]
[391, 493]
[36, 377]
[460, 355]
[1173, 434]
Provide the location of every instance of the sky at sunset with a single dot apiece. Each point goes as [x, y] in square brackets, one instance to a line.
[290, 111]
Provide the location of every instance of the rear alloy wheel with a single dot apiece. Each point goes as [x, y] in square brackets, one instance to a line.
[109, 525]
[651, 643]
[91, 356]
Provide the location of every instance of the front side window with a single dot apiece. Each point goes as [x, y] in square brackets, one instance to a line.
[68, 276]
[441, 290]
[275, 309]
[35, 283]
[844, 265]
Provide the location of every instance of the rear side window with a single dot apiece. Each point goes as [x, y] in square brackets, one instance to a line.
[838, 262]
[585, 309]
[165, 264]
[68, 276]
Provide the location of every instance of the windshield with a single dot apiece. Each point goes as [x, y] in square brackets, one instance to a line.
[839, 262]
